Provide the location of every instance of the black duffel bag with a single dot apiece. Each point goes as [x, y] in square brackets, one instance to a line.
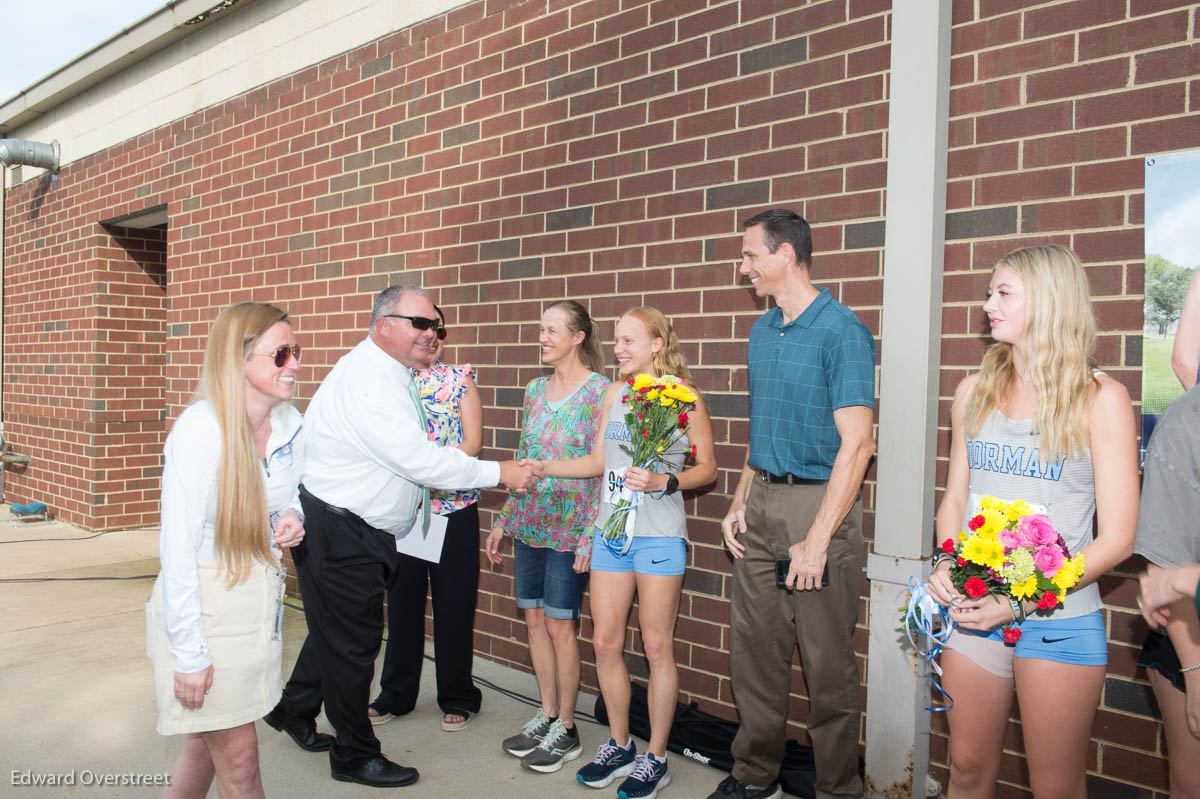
[708, 739]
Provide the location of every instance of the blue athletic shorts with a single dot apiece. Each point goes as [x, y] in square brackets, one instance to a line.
[546, 579]
[1080, 641]
[666, 557]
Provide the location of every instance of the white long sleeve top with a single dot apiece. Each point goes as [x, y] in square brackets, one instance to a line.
[189, 513]
[367, 450]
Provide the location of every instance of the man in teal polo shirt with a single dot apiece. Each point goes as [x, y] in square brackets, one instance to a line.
[812, 395]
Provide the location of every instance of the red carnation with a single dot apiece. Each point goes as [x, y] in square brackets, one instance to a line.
[962, 561]
[976, 522]
[630, 381]
[693, 450]
[975, 588]
[948, 546]
[683, 419]
[1049, 601]
[1012, 635]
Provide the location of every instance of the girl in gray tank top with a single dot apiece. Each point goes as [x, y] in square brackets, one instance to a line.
[654, 565]
[1004, 462]
[658, 514]
[1039, 424]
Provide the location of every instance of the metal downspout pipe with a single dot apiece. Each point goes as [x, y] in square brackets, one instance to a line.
[3, 225]
[22, 152]
[17, 152]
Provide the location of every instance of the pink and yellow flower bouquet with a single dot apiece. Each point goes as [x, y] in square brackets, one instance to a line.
[1009, 550]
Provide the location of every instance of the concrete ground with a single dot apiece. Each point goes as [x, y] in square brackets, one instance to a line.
[76, 695]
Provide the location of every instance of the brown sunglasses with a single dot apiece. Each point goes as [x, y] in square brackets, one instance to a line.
[282, 354]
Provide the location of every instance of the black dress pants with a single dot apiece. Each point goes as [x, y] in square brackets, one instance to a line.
[455, 583]
[345, 568]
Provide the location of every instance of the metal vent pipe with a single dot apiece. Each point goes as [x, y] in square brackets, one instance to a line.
[22, 152]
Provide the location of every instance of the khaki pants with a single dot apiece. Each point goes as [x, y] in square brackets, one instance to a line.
[767, 622]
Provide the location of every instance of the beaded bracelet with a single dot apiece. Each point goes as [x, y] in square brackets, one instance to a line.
[939, 557]
[1189, 668]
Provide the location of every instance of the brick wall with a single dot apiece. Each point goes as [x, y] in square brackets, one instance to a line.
[1054, 108]
[129, 410]
[509, 154]
[84, 317]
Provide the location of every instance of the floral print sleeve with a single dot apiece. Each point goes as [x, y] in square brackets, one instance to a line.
[559, 512]
[441, 388]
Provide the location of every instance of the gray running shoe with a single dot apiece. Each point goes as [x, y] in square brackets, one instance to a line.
[559, 746]
[530, 735]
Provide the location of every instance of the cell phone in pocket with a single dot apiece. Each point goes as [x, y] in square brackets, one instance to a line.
[782, 565]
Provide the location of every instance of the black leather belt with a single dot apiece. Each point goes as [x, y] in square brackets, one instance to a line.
[790, 479]
[334, 509]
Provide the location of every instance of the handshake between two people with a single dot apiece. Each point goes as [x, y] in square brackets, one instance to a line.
[521, 475]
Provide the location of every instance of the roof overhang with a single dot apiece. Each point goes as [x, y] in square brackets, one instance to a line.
[175, 20]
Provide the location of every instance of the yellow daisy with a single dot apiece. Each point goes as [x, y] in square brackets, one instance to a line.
[987, 501]
[994, 520]
[984, 550]
[1024, 590]
[1016, 509]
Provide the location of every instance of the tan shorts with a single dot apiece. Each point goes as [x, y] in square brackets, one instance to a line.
[239, 623]
[986, 653]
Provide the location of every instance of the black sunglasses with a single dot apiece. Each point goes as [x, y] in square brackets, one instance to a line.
[420, 322]
[281, 355]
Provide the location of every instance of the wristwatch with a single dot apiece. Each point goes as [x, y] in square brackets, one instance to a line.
[672, 485]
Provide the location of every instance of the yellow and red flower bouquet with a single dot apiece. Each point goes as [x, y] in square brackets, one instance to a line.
[656, 414]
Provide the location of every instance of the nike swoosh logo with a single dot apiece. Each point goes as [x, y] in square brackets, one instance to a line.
[1046, 640]
[664, 560]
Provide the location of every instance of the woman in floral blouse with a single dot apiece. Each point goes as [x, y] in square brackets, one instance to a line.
[550, 526]
[454, 414]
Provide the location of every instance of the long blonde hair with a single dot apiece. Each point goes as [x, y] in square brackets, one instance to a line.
[670, 359]
[242, 518]
[1059, 340]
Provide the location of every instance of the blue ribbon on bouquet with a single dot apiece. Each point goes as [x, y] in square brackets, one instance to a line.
[625, 514]
[923, 615]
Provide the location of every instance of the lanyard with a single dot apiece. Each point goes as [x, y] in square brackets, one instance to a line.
[416, 398]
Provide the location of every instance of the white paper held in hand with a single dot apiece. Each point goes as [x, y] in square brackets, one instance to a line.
[426, 547]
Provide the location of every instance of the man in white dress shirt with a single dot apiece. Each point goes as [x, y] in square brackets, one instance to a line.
[369, 464]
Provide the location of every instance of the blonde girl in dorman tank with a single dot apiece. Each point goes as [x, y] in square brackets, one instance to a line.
[1040, 424]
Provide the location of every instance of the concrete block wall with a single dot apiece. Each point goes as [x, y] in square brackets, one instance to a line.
[507, 154]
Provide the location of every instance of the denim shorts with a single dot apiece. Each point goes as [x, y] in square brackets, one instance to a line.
[663, 556]
[546, 579]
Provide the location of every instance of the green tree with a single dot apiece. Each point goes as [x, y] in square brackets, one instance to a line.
[1166, 285]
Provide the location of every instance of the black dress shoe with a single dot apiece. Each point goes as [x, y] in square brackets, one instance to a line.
[303, 731]
[378, 772]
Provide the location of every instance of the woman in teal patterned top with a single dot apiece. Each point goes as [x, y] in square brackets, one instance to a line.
[550, 525]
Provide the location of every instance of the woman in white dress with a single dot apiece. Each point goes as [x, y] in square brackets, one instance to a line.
[231, 471]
